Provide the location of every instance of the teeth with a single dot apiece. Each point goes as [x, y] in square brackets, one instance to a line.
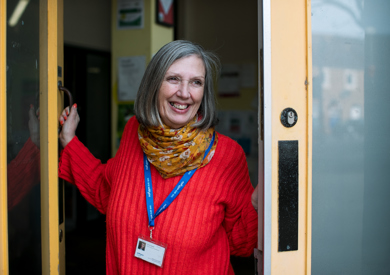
[178, 106]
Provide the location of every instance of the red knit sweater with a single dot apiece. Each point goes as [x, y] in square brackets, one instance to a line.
[211, 218]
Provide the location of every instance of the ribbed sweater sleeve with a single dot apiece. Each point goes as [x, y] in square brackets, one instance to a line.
[78, 166]
[240, 217]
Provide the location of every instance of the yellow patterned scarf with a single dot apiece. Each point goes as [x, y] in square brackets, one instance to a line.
[176, 151]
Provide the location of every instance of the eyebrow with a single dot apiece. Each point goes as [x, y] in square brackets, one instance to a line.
[173, 73]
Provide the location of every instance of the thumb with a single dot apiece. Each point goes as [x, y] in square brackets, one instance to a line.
[73, 111]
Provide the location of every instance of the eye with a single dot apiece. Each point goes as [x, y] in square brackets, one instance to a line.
[173, 79]
[197, 83]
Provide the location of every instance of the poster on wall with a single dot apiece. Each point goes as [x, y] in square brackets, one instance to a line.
[130, 14]
[130, 72]
[165, 12]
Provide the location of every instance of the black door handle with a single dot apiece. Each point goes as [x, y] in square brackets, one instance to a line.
[70, 97]
[65, 90]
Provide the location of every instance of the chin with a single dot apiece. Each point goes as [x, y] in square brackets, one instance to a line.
[176, 124]
[175, 120]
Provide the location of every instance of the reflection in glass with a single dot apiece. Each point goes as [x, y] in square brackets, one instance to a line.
[23, 157]
[351, 148]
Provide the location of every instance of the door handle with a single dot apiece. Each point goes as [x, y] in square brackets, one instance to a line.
[68, 93]
[70, 97]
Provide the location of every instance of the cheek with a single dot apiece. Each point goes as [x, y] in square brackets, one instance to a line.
[198, 98]
[162, 97]
[166, 91]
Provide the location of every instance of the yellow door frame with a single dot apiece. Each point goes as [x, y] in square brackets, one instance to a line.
[3, 143]
[50, 40]
[60, 106]
[50, 43]
[287, 74]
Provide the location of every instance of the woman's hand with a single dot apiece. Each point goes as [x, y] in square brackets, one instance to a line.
[254, 198]
[33, 125]
[69, 122]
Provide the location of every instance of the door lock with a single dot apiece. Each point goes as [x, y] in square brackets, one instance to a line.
[288, 117]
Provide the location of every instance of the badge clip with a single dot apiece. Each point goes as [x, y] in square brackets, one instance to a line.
[151, 228]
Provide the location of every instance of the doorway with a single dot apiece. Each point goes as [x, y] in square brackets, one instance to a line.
[88, 76]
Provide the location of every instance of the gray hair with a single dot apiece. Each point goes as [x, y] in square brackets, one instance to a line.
[146, 102]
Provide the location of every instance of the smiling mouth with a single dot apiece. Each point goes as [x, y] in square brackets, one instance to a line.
[179, 106]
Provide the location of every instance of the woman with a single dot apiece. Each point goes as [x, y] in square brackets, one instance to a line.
[193, 204]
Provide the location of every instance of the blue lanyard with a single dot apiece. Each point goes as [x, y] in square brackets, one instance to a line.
[175, 192]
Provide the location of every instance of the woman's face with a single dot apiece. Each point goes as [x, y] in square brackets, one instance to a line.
[181, 91]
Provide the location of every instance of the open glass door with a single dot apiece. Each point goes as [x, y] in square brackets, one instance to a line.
[330, 131]
[31, 45]
[351, 206]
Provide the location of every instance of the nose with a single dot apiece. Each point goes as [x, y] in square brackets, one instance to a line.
[184, 90]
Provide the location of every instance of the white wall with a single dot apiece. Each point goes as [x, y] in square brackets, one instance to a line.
[87, 23]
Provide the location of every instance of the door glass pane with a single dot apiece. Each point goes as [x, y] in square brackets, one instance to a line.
[351, 129]
[24, 223]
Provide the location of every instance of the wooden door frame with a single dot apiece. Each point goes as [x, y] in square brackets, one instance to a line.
[287, 82]
[51, 45]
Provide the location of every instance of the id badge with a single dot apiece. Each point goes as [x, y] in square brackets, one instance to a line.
[150, 251]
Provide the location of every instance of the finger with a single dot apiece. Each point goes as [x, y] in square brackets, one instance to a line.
[63, 117]
[73, 111]
[64, 112]
[31, 111]
[31, 114]
[72, 114]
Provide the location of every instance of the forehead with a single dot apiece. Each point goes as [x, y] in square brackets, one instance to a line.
[191, 64]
